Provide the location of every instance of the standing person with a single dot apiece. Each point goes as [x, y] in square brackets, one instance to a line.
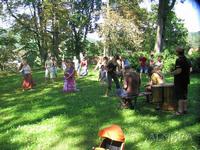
[143, 65]
[102, 74]
[53, 69]
[63, 65]
[27, 80]
[47, 68]
[112, 74]
[69, 79]
[99, 63]
[181, 80]
[151, 61]
[83, 67]
[76, 65]
[159, 62]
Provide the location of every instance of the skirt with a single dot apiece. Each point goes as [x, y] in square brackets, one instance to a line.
[69, 85]
[27, 82]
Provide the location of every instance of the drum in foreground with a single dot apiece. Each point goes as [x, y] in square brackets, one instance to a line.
[157, 93]
[169, 101]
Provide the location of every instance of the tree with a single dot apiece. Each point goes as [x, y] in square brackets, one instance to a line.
[7, 45]
[164, 7]
[121, 29]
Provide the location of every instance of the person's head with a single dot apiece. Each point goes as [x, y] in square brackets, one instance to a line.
[105, 58]
[155, 69]
[159, 58]
[116, 57]
[24, 61]
[179, 51]
[74, 58]
[71, 64]
[102, 67]
[52, 58]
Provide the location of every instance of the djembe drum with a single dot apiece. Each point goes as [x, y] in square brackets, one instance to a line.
[157, 93]
[169, 102]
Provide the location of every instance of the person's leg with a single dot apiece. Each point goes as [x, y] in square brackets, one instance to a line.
[184, 106]
[46, 75]
[180, 106]
[141, 70]
[109, 79]
[146, 70]
[115, 78]
[185, 99]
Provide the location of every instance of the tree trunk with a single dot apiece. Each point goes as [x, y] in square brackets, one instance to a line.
[160, 26]
[163, 10]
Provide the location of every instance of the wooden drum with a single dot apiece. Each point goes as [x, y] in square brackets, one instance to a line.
[169, 101]
[157, 93]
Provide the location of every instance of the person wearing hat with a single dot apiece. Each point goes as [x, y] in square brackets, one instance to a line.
[181, 80]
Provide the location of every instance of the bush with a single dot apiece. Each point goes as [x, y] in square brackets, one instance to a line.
[195, 61]
[169, 59]
[134, 58]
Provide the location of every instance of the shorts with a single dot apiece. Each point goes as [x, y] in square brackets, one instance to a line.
[143, 69]
[181, 91]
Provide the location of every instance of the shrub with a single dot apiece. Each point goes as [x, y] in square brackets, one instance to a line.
[195, 61]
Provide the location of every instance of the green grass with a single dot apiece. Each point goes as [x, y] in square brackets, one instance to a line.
[46, 118]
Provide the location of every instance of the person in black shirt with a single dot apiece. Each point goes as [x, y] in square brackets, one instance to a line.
[112, 74]
[181, 80]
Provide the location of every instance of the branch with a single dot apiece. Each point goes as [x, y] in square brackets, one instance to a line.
[18, 20]
[172, 5]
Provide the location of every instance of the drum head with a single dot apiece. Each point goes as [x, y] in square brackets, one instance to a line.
[168, 85]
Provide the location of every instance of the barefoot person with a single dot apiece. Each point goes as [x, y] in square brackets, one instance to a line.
[143, 65]
[27, 80]
[181, 80]
[112, 74]
[47, 68]
[69, 79]
[102, 75]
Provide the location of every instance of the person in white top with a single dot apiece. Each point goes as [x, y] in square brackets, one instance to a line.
[47, 68]
[76, 63]
[159, 63]
[102, 75]
[27, 74]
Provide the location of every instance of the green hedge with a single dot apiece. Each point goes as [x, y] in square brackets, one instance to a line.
[195, 60]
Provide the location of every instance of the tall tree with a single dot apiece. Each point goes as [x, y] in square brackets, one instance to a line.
[164, 7]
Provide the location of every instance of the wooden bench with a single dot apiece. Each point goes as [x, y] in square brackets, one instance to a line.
[134, 98]
[145, 94]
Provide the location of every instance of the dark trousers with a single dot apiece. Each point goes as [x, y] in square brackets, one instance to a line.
[114, 77]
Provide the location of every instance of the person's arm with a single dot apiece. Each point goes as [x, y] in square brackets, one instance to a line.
[177, 71]
[99, 76]
[29, 69]
[70, 75]
[125, 84]
[178, 68]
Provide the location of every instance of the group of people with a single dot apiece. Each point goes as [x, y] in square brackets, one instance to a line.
[71, 69]
[114, 69]
[117, 67]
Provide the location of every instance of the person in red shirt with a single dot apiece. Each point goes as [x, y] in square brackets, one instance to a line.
[143, 65]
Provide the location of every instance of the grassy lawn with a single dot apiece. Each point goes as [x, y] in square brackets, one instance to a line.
[46, 118]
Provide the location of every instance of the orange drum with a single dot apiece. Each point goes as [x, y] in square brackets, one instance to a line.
[157, 93]
[169, 101]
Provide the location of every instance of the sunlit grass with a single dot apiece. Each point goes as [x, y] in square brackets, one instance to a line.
[47, 118]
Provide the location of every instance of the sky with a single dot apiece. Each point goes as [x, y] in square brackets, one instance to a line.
[189, 12]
